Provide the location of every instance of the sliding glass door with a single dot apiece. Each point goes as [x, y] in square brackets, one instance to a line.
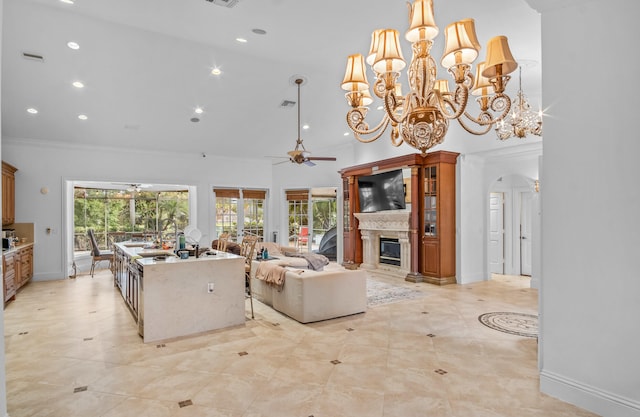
[313, 217]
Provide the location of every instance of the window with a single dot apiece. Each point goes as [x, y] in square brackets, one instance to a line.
[227, 212]
[118, 215]
[240, 212]
[254, 212]
[304, 233]
[298, 202]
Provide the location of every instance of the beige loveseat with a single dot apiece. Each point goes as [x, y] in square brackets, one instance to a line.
[309, 296]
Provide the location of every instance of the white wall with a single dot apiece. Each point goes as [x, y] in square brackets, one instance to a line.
[590, 287]
[3, 376]
[41, 165]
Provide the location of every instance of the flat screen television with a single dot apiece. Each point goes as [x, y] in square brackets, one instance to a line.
[384, 191]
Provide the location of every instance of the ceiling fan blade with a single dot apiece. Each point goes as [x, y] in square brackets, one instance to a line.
[309, 163]
[281, 162]
[321, 158]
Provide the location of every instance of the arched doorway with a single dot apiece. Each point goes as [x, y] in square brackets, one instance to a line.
[512, 206]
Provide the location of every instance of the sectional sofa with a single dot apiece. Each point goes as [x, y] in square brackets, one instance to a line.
[307, 295]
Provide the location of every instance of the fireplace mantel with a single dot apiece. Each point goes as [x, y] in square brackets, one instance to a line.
[385, 220]
[389, 224]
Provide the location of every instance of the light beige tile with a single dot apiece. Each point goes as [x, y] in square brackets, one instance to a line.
[355, 402]
[387, 360]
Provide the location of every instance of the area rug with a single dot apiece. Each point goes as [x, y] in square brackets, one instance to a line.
[513, 323]
[379, 293]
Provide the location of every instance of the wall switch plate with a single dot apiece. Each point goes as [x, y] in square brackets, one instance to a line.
[210, 287]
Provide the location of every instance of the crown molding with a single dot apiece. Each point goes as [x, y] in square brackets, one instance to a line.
[524, 151]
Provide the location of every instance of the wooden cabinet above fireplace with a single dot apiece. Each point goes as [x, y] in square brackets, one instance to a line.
[430, 198]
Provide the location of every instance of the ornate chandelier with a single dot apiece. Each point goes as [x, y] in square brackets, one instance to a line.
[521, 120]
[421, 117]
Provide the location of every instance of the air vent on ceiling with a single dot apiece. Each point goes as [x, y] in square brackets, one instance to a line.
[225, 3]
[287, 103]
[34, 57]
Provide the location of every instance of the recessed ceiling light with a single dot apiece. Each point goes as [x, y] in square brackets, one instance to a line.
[67, 1]
[78, 84]
[380, 107]
[305, 127]
[194, 119]
[82, 117]
[73, 45]
[241, 40]
[199, 110]
[346, 133]
[32, 110]
[259, 31]
[216, 71]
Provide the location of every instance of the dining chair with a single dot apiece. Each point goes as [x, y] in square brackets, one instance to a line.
[247, 248]
[223, 240]
[98, 255]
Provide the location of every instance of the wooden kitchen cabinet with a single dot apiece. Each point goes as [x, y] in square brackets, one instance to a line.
[8, 268]
[8, 193]
[26, 266]
[17, 267]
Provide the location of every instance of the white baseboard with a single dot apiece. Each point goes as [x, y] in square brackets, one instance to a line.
[49, 276]
[535, 283]
[470, 278]
[603, 403]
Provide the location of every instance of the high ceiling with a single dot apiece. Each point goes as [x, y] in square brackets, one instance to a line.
[146, 65]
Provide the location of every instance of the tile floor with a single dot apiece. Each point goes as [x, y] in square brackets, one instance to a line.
[72, 349]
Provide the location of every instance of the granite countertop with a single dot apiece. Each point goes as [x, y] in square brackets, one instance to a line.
[148, 256]
[176, 260]
[16, 248]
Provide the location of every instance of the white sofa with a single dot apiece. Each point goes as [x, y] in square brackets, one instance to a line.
[280, 252]
[310, 296]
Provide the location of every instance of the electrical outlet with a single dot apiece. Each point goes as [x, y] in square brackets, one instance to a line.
[210, 287]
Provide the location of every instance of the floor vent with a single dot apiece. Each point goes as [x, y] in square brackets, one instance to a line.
[225, 3]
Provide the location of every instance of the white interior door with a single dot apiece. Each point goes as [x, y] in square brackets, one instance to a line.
[526, 206]
[496, 233]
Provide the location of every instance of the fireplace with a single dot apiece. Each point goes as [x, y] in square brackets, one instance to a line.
[386, 246]
[389, 251]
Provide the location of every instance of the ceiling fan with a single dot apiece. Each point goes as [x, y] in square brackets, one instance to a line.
[130, 187]
[299, 155]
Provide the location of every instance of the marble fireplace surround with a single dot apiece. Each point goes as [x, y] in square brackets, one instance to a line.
[393, 224]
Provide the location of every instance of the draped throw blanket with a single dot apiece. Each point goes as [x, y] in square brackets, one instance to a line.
[271, 273]
[315, 261]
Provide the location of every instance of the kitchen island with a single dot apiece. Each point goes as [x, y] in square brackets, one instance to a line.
[175, 297]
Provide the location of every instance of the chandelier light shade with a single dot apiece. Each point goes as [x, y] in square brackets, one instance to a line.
[388, 55]
[422, 24]
[499, 58]
[355, 78]
[421, 117]
[481, 84]
[461, 44]
[522, 120]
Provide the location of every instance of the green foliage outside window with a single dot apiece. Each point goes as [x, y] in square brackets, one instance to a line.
[117, 215]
